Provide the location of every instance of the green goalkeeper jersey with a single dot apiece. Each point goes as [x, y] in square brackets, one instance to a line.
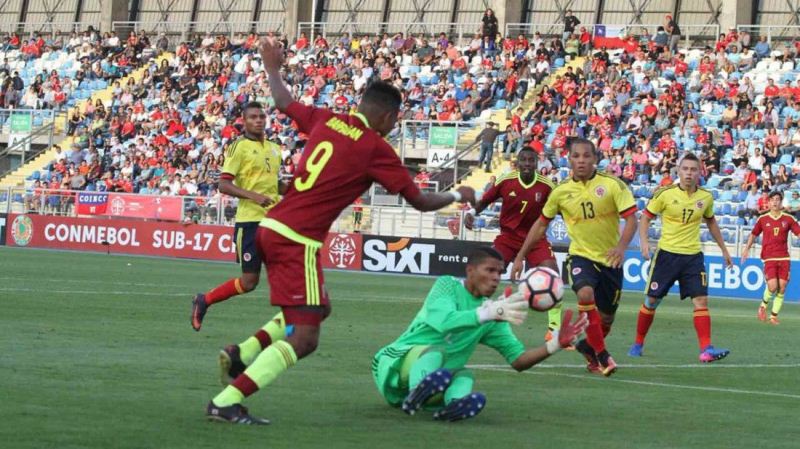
[448, 319]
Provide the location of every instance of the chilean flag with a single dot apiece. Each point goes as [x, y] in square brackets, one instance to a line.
[91, 203]
[608, 37]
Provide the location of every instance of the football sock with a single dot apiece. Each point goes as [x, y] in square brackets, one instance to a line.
[594, 332]
[273, 361]
[646, 316]
[776, 306]
[273, 331]
[767, 296]
[606, 328]
[554, 316]
[702, 325]
[460, 386]
[427, 363]
[231, 287]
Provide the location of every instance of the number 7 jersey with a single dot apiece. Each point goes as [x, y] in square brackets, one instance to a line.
[591, 211]
[341, 160]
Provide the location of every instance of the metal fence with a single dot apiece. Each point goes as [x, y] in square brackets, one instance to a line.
[774, 33]
[30, 29]
[692, 36]
[461, 33]
[178, 32]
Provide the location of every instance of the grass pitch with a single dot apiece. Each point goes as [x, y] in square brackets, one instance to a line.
[98, 353]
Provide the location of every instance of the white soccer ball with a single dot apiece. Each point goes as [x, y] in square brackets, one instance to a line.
[543, 288]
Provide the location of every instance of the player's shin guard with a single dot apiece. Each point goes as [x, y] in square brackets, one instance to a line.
[776, 306]
[273, 361]
[646, 316]
[702, 325]
[231, 287]
[594, 332]
[273, 331]
[554, 317]
[768, 295]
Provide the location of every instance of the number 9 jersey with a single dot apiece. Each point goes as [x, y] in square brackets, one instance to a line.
[341, 160]
[591, 211]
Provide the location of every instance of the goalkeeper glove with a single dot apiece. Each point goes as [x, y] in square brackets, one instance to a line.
[569, 332]
[509, 307]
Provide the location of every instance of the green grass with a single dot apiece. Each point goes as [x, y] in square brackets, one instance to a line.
[98, 353]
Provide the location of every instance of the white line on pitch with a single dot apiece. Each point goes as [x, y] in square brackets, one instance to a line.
[651, 384]
[658, 366]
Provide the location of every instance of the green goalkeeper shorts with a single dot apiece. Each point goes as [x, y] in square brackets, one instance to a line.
[390, 369]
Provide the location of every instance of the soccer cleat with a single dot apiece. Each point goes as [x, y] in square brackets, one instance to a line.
[710, 354]
[762, 313]
[464, 408]
[230, 364]
[774, 320]
[588, 353]
[606, 364]
[434, 383]
[636, 350]
[234, 414]
[199, 308]
[548, 335]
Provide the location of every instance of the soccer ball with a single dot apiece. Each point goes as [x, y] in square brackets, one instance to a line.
[542, 288]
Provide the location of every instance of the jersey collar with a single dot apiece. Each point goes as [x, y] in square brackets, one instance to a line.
[363, 119]
[594, 174]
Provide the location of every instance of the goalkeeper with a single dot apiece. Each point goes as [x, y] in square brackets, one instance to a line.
[426, 365]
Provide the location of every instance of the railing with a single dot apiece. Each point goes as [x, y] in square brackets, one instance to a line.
[24, 149]
[773, 33]
[178, 32]
[30, 29]
[462, 33]
[692, 36]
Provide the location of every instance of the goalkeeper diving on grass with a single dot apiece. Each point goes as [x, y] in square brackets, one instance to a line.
[425, 366]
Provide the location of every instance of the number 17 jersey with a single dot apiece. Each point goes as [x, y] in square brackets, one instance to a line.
[341, 159]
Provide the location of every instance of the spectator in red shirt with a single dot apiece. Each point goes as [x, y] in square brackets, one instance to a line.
[771, 91]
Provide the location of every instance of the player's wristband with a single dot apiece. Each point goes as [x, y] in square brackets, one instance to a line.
[456, 196]
[553, 346]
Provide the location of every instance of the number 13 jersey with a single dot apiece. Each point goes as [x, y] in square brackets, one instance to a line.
[591, 211]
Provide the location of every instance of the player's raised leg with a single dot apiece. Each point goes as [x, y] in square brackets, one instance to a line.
[233, 359]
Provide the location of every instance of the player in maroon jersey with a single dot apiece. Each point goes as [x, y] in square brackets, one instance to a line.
[524, 193]
[775, 226]
[343, 156]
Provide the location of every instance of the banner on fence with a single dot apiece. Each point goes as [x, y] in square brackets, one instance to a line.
[130, 206]
[3, 229]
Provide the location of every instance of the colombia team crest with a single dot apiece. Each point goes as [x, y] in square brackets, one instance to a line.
[600, 191]
[700, 204]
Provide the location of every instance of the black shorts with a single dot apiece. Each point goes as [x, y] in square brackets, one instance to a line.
[688, 269]
[247, 253]
[605, 281]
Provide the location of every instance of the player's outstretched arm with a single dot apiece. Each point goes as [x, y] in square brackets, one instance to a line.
[272, 57]
[427, 202]
[534, 235]
[567, 335]
[746, 251]
[227, 187]
[716, 234]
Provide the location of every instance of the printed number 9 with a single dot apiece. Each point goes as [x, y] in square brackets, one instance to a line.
[314, 165]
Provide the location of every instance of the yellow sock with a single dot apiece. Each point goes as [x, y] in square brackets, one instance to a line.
[767, 296]
[554, 317]
[250, 348]
[272, 361]
[776, 306]
[227, 397]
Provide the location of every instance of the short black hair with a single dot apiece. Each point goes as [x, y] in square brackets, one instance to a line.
[526, 149]
[689, 156]
[573, 141]
[481, 253]
[252, 105]
[777, 193]
[383, 95]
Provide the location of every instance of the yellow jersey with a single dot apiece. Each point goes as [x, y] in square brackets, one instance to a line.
[681, 216]
[253, 166]
[591, 211]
